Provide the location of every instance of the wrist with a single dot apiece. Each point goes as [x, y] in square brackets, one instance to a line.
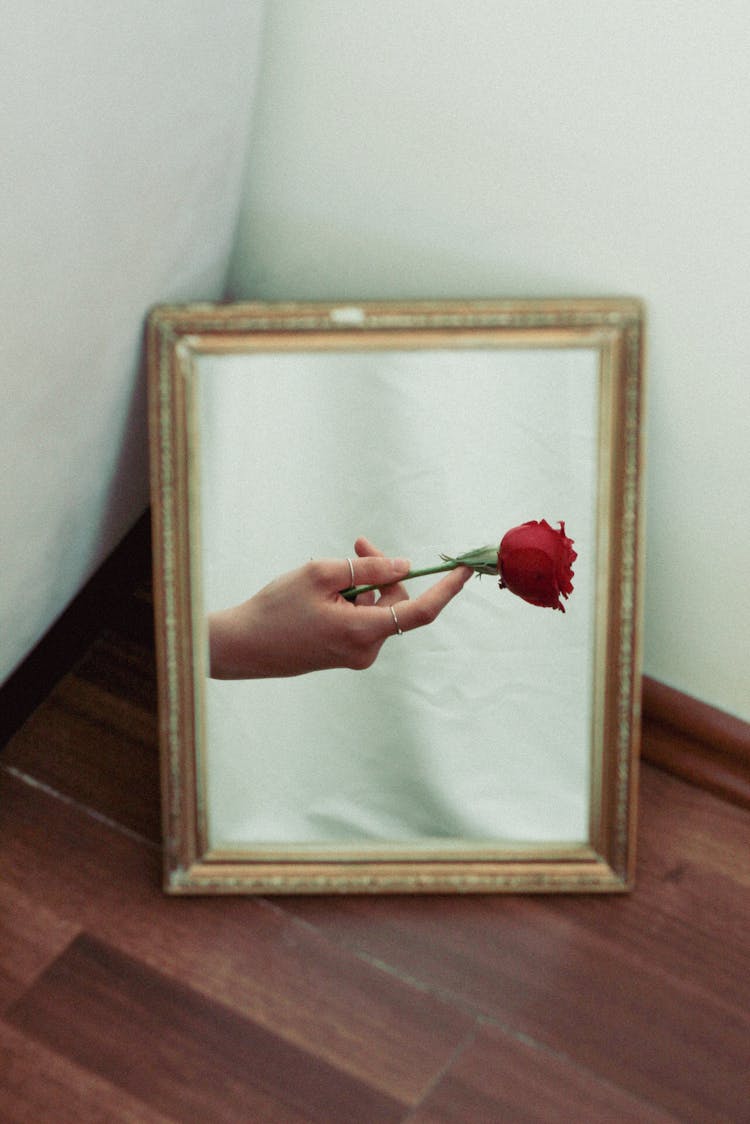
[230, 646]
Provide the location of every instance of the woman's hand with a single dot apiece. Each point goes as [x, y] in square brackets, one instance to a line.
[300, 622]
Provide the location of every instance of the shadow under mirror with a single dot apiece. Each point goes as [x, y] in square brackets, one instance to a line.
[494, 748]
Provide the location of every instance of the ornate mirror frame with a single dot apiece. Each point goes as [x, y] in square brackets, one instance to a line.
[176, 338]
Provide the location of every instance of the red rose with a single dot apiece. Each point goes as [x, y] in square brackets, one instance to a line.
[534, 562]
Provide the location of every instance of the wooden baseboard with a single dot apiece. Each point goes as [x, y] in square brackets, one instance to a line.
[695, 741]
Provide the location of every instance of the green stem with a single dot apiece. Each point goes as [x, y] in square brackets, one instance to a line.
[355, 590]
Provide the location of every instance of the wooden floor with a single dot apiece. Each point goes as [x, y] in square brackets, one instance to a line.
[118, 1003]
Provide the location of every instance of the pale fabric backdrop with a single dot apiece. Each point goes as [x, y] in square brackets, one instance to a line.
[477, 727]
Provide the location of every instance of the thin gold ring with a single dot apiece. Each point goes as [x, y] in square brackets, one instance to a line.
[399, 629]
[351, 571]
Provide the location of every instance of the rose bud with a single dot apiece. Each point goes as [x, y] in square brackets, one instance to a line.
[534, 562]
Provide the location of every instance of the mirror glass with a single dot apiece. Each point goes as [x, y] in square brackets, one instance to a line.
[475, 728]
[500, 734]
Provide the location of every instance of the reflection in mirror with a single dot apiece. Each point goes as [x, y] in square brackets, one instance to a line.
[492, 749]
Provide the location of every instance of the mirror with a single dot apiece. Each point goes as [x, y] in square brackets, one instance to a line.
[495, 749]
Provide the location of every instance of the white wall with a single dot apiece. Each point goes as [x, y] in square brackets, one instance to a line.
[423, 148]
[123, 132]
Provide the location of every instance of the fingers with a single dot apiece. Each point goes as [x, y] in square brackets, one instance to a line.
[334, 574]
[365, 548]
[371, 567]
[413, 614]
[389, 594]
[392, 595]
[377, 570]
[424, 609]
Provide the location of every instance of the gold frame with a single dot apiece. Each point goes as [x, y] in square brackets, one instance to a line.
[175, 335]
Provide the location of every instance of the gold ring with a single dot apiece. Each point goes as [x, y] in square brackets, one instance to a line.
[352, 583]
[399, 629]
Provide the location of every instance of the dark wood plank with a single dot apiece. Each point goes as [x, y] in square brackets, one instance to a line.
[31, 936]
[636, 1005]
[650, 991]
[498, 1078]
[245, 953]
[183, 1054]
[123, 668]
[38, 1086]
[95, 737]
[682, 826]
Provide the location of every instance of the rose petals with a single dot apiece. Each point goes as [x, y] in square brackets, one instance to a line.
[534, 562]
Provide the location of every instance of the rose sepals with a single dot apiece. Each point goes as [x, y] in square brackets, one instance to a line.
[483, 560]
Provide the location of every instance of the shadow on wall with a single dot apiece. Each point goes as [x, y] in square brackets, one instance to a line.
[294, 259]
